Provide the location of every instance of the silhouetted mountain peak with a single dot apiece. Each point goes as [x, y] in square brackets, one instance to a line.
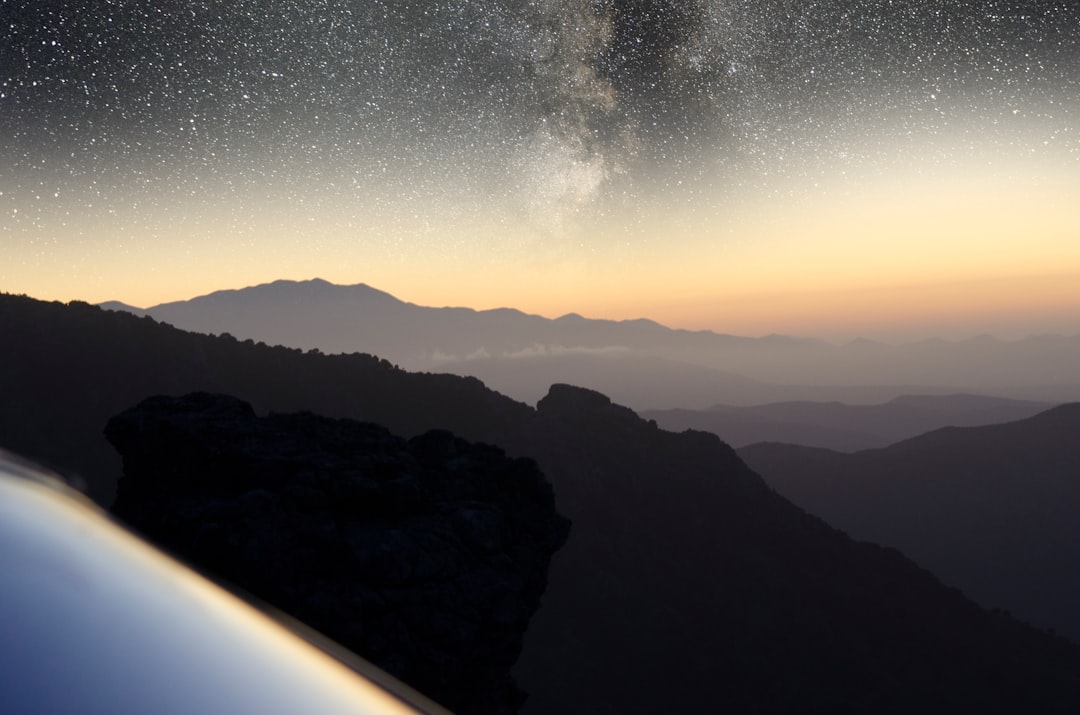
[1048, 428]
[286, 291]
[1067, 413]
[702, 367]
[989, 508]
[1060, 422]
[568, 403]
[561, 396]
[122, 307]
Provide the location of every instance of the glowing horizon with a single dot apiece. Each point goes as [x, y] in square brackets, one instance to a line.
[677, 174]
[956, 253]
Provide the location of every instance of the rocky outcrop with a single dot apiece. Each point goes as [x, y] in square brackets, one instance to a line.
[426, 556]
[690, 586]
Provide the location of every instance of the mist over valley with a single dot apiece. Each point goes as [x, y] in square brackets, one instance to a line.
[640, 363]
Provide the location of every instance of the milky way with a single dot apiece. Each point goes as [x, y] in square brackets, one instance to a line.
[537, 112]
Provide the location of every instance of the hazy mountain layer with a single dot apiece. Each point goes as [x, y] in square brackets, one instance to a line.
[638, 362]
[846, 428]
[990, 509]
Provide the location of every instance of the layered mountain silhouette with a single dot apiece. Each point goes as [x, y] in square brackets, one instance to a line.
[992, 509]
[335, 318]
[638, 362]
[687, 585]
[69, 368]
[843, 427]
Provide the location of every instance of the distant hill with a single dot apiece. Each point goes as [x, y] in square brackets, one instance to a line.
[993, 510]
[117, 305]
[687, 584]
[625, 376]
[335, 318]
[843, 427]
[492, 345]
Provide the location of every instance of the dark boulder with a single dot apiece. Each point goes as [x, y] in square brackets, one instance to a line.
[427, 556]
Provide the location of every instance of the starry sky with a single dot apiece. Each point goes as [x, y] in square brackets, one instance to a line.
[886, 168]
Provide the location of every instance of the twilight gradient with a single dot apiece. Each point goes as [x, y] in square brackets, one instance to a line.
[889, 168]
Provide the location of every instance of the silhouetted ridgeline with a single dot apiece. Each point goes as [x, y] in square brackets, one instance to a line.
[427, 557]
[843, 427]
[638, 362]
[68, 368]
[687, 585]
[708, 592]
[994, 510]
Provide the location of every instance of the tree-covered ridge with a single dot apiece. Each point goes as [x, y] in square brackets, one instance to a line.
[66, 369]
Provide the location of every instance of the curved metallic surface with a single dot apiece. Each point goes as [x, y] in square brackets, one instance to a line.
[94, 620]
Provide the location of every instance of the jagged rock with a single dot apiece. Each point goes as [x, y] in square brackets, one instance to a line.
[426, 556]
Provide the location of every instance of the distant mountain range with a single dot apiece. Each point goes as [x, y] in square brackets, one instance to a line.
[638, 362]
[994, 510]
[842, 427]
[687, 585]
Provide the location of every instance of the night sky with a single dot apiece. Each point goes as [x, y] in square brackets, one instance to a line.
[744, 166]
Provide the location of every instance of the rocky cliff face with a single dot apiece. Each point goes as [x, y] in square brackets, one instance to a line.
[690, 586]
[426, 556]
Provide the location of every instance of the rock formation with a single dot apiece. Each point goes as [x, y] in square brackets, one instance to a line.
[426, 556]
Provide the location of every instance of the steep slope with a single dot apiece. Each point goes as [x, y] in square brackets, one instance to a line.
[66, 369]
[708, 592]
[687, 584]
[990, 509]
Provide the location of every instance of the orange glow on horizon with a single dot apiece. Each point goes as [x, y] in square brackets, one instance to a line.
[924, 252]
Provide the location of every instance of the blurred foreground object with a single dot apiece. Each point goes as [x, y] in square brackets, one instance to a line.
[94, 620]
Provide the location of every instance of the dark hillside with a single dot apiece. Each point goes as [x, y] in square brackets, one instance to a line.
[66, 369]
[991, 509]
[714, 594]
[687, 584]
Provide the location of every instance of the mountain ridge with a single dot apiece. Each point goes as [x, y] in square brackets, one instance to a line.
[323, 284]
[344, 319]
[845, 427]
[991, 508]
[688, 585]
